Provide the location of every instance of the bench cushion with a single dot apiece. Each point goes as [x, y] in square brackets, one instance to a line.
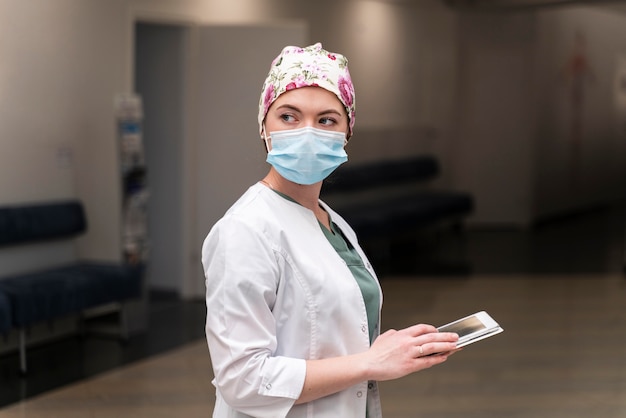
[52, 293]
[398, 213]
[379, 198]
[39, 222]
[364, 176]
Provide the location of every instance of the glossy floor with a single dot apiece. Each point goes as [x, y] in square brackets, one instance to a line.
[558, 290]
[561, 355]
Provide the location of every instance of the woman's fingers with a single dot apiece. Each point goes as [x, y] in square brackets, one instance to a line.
[429, 331]
[428, 340]
[438, 348]
[420, 329]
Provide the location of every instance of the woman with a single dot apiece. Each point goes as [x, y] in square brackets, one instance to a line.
[293, 305]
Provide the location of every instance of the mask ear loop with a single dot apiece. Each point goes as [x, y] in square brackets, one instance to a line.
[267, 148]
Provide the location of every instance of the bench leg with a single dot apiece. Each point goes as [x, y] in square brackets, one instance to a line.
[124, 322]
[22, 342]
[119, 330]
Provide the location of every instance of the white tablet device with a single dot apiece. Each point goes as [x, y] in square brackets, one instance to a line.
[473, 328]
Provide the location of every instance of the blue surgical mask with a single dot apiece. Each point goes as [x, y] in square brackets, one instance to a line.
[306, 155]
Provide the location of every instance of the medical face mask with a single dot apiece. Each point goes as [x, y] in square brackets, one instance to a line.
[306, 155]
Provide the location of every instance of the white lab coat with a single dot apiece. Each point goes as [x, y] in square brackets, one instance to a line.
[278, 293]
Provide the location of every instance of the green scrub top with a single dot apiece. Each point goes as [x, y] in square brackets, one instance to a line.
[369, 287]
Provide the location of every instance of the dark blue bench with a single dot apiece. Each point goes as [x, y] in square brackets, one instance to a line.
[385, 197]
[44, 295]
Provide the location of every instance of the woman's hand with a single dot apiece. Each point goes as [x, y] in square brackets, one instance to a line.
[395, 354]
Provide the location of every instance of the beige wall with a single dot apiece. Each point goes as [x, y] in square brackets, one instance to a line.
[492, 149]
[63, 62]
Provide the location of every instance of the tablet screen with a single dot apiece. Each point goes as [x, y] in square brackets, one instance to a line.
[465, 327]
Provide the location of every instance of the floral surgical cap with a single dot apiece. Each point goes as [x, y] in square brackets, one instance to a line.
[311, 66]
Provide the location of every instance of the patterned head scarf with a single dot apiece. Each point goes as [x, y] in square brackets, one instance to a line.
[297, 67]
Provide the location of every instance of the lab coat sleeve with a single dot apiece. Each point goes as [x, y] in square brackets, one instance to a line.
[242, 273]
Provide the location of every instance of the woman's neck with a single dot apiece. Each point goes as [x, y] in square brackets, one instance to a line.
[305, 195]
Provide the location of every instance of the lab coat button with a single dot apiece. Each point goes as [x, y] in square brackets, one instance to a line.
[370, 386]
[363, 328]
[268, 386]
[359, 394]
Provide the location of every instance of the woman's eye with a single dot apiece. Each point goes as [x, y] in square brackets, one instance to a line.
[327, 121]
[287, 118]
